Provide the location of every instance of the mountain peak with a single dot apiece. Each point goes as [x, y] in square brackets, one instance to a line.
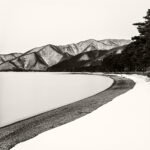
[41, 58]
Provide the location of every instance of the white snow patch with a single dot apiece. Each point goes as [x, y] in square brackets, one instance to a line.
[119, 51]
[85, 57]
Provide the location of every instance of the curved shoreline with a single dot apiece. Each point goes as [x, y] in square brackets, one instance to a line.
[25, 95]
[26, 129]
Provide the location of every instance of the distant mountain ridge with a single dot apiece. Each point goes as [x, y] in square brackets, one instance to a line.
[7, 57]
[91, 44]
[87, 61]
[42, 58]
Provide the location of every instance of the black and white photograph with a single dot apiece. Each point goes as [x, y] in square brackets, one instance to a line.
[74, 75]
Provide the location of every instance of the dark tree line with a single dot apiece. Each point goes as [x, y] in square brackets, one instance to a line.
[136, 56]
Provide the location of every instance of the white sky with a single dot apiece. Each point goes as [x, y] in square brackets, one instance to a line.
[25, 24]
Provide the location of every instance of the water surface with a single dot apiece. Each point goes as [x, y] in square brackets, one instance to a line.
[25, 94]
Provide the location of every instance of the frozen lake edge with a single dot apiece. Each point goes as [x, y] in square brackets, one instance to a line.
[29, 128]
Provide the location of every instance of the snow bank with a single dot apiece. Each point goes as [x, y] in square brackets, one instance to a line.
[123, 124]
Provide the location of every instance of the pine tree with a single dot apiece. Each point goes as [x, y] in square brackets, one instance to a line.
[142, 42]
[136, 55]
[144, 30]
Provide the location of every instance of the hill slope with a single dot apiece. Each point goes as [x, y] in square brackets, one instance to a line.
[87, 61]
[7, 57]
[41, 58]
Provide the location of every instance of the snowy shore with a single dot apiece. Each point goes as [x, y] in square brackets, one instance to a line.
[123, 124]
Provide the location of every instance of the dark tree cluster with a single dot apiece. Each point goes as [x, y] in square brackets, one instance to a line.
[136, 56]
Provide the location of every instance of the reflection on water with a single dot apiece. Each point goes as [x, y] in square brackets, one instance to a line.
[25, 94]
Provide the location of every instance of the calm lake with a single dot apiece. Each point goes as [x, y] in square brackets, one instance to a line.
[26, 94]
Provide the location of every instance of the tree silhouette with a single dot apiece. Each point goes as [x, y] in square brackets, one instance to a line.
[136, 56]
